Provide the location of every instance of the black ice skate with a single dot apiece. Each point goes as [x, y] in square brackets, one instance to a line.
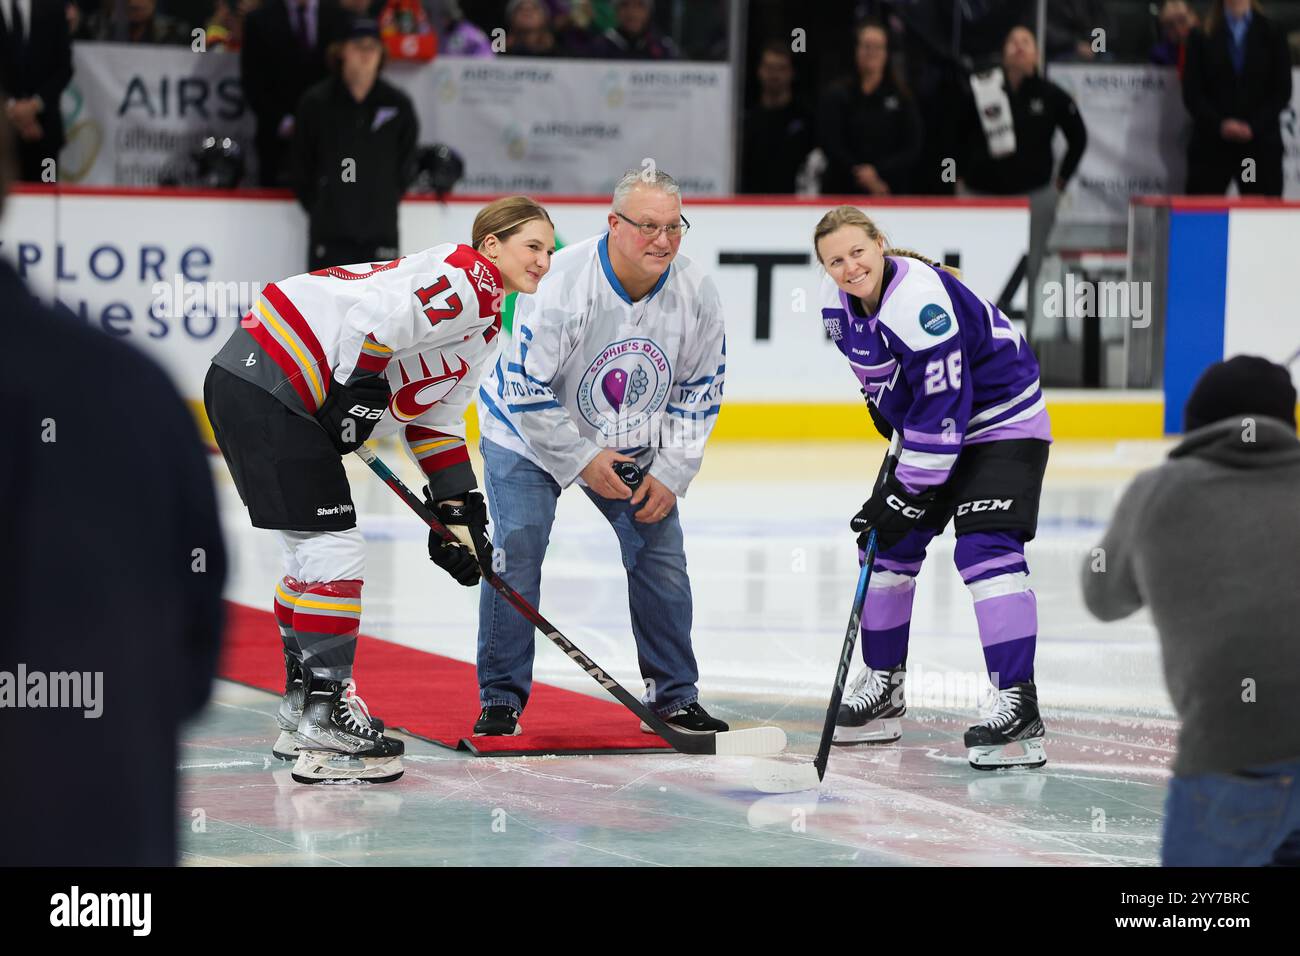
[499, 720]
[691, 719]
[337, 741]
[870, 712]
[1011, 736]
[290, 712]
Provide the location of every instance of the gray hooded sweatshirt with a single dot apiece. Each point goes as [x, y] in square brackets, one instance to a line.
[1210, 541]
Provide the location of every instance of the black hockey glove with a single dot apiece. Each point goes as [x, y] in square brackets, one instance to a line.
[468, 522]
[350, 412]
[886, 430]
[892, 511]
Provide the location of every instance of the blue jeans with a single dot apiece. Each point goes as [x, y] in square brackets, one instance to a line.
[1248, 818]
[522, 497]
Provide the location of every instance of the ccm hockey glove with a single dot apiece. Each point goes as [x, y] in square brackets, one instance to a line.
[892, 510]
[468, 522]
[350, 412]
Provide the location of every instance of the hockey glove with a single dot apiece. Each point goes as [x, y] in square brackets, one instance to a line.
[892, 510]
[468, 522]
[882, 425]
[350, 412]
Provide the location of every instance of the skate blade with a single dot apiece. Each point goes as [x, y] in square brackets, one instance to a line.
[876, 732]
[1019, 753]
[318, 766]
[285, 747]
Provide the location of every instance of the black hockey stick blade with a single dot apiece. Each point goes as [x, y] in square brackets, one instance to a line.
[748, 742]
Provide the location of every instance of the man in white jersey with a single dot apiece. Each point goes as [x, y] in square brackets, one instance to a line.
[618, 358]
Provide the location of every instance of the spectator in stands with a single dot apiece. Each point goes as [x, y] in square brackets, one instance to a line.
[354, 115]
[144, 24]
[1007, 132]
[282, 55]
[35, 66]
[985, 24]
[145, 628]
[457, 36]
[778, 131]
[1223, 598]
[226, 28]
[633, 36]
[1071, 31]
[528, 29]
[1177, 20]
[1236, 83]
[575, 29]
[869, 127]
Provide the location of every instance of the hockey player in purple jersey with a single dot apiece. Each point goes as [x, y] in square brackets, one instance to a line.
[953, 385]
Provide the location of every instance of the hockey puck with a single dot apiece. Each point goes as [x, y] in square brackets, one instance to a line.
[629, 472]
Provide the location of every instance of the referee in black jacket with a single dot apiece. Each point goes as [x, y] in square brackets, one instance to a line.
[354, 155]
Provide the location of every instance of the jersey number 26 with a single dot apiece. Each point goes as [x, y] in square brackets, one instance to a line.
[942, 374]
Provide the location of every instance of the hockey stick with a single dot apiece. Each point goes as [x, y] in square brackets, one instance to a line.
[777, 777]
[751, 741]
[846, 658]
[774, 777]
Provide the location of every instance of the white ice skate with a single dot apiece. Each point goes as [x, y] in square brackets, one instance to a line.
[871, 711]
[337, 741]
[290, 715]
[1010, 736]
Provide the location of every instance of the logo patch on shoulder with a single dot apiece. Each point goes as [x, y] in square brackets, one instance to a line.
[935, 320]
[834, 322]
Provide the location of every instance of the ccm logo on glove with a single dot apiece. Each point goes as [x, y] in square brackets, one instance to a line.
[905, 509]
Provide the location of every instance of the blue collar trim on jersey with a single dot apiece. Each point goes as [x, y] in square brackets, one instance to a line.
[603, 248]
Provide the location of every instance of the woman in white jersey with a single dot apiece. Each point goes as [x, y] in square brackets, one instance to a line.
[320, 363]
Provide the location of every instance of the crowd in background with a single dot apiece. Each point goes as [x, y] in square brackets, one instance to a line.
[896, 97]
[610, 29]
[932, 105]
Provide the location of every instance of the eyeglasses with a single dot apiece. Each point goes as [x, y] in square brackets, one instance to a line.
[649, 231]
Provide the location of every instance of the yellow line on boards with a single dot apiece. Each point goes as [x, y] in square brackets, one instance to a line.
[750, 421]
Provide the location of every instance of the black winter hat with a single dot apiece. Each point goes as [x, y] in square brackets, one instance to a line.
[1242, 385]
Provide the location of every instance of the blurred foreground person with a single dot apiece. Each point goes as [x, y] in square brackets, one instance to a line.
[111, 580]
[1208, 541]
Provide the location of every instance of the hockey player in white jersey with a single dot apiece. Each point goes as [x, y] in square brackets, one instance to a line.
[322, 362]
[618, 358]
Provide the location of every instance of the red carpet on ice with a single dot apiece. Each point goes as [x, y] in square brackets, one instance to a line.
[436, 698]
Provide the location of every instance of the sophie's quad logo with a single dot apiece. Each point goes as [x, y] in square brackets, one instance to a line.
[624, 387]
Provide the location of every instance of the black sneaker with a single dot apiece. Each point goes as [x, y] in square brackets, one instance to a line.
[691, 719]
[499, 720]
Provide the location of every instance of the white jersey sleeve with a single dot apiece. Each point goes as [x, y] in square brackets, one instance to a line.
[696, 396]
